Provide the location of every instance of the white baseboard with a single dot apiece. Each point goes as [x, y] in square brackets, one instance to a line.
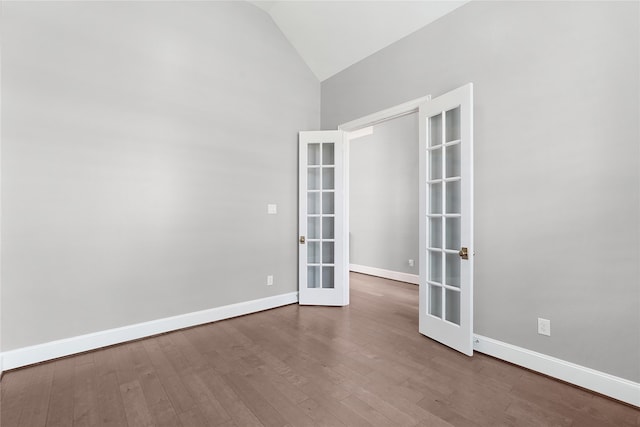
[51, 350]
[590, 379]
[387, 274]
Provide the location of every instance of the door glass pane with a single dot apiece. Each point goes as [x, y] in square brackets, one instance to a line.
[313, 227]
[327, 277]
[327, 203]
[327, 179]
[435, 137]
[453, 161]
[435, 164]
[435, 301]
[453, 197]
[452, 270]
[452, 233]
[313, 203]
[327, 153]
[313, 276]
[435, 232]
[327, 227]
[313, 154]
[313, 179]
[452, 306]
[313, 252]
[327, 252]
[452, 118]
[435, 267]
[435, 198]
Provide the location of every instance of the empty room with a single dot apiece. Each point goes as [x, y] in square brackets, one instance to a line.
[331, 213]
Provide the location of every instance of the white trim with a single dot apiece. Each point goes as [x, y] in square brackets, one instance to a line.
[384, 115]
[68, 346]
[387, 274]
[600, 382]
[359, 133]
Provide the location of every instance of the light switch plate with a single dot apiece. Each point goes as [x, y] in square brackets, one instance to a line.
[544, 326]
[272, 209]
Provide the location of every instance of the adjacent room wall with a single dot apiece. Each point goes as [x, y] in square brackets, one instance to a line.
[141, 143]
[557, 164]
[383, 211]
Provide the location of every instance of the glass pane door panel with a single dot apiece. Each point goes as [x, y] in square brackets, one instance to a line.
[313, 227]
[313, 203]
[327, 203]
[328, 154]
[435, 134]
[452, 233]
[313, 276]
[328, 277]
[452, 306]
[328, 224]
[313, 179]
[313, 154]
[327, 179]
[313, 253]
[453, 161]
[435, 266]
[453, 197]
[435, 301]
[435, 164]
[452, 270]
[452, 118]
[435, 232]
[327, 252]
[322, 260]
[435, 198]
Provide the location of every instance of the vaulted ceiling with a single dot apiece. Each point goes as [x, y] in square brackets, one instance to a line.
[332, 35]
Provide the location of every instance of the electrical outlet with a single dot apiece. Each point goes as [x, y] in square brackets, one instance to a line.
[272, 209]
[269, 280]
[544, 326]
[411, 263]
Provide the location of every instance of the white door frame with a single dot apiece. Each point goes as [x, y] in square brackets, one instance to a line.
[361, 127]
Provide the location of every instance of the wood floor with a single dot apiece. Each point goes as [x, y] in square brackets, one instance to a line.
[362, 365]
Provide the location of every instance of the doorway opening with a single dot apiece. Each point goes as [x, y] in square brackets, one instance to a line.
[383, 199]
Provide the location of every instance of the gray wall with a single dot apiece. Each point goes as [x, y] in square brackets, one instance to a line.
[141, 143]
[557, 180]
[383, 183]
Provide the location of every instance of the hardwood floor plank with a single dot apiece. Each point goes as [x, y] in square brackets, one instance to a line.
[262, 409]
[60, 411]
[369, 413]
[320, 415]
[135, 405]
[13, 395]
[209, 406]
[230, 401]
[85, 390]
[36, 397]
[360, 365]
[110, 405]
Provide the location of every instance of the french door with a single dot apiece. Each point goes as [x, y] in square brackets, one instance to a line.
[323, 273]
[446, 219]
[446, 215]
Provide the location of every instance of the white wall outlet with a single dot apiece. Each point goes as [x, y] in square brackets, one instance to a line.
[544, 326]
[272, 209]
[411, 263]
[269, 280]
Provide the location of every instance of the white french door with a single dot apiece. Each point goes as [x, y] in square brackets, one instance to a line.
[323, 268]
[446, 219]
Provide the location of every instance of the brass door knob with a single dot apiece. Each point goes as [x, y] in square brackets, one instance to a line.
[302, 240]
[464, 253]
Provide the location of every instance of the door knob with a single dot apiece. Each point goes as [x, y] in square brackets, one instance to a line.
[302, 240]
[464, 253]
